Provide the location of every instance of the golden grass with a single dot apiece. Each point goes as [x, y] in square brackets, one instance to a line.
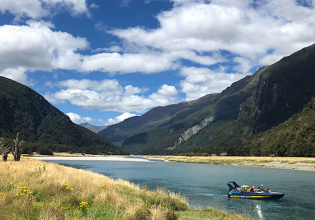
[32, 189]
[233, 159]
[209, 213]
[300, 163]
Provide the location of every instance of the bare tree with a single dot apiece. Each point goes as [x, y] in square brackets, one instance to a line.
[5, 150]
[17, 148]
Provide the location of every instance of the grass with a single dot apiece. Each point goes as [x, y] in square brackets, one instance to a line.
[208, 213]
[237, 159]
[276, 162]
[32, 189]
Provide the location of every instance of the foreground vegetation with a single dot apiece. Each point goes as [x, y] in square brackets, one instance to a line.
[32, 189]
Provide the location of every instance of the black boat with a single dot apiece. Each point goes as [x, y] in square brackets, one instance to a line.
[244, 192]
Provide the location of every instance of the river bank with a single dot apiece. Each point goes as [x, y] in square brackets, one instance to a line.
[33, 189]
[293, 163]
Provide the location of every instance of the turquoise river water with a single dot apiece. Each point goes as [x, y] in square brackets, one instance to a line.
[204, 185]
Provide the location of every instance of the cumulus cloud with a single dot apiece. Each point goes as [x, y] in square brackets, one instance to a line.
[75, 118]
[246, 29]
[37, 9]
[202, 81]
[109, 95]
[165, 95]
[36, 47]
[210, 34]
[126, 63]
[17, 74]
[120, 118]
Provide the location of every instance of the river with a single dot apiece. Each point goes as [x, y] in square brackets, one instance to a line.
[204, 185]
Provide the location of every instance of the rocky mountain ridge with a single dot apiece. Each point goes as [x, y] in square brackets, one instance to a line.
[252, 105]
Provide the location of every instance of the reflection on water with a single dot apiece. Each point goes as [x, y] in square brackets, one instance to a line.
[204, 185]
[259, 212]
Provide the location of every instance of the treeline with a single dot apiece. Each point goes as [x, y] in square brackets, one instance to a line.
[295, 137]
[48, 148]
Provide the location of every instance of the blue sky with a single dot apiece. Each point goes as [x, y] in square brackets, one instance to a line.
[103, 61]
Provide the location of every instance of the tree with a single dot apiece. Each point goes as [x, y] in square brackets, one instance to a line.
[5, 150]
[17, 148]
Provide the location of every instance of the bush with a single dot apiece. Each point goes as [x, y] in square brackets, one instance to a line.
[143, 213]
[44, 151]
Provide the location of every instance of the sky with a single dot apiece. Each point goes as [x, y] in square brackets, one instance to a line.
[102, 61]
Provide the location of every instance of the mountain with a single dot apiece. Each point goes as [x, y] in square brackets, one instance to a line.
[24, 111]
[294, 137]
[93, 128]
[250, 106]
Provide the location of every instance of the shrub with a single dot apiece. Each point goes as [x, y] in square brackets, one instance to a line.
[143, 213]
[44, 151]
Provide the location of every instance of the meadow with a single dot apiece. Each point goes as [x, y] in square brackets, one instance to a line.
[33, 189]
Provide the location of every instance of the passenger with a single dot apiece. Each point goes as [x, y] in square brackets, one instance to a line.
[252, 189]
[262, 188]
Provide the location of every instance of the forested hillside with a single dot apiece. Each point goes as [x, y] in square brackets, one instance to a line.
[294, 137]
[26, 112]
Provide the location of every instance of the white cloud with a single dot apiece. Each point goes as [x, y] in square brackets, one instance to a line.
[36, 47]
[165, 95]
[41, 8]
[109, 95]
[202, 81]
[120, 118]
[203, 32]
[93, 5]
[126, 63]
[75, 118]
[16, 74]
[247, 32]
[30, 8]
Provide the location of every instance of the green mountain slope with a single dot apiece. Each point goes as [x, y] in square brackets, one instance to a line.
[26, 112]
[154, 118]
[294, 137]
[252, 105]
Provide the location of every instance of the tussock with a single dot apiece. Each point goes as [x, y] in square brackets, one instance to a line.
[32, 189]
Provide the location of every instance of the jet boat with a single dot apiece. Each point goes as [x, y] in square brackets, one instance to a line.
[236, 191]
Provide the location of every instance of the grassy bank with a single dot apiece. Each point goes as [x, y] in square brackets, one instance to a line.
[298, 163]
[32, 189]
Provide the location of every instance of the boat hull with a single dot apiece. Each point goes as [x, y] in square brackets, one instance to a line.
[245, 195]
[236, 191]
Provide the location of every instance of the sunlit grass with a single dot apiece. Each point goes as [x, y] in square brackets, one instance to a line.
[300, 163]
[237, 159]
[32, 189]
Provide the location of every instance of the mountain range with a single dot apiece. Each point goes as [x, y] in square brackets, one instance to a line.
[254, 105]
[24, 111]
[271, 112]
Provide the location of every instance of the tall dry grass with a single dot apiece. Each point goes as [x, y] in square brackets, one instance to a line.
[32, 189]
[238, 159]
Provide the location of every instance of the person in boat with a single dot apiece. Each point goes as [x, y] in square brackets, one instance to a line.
[245, 188]
[262, 188]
